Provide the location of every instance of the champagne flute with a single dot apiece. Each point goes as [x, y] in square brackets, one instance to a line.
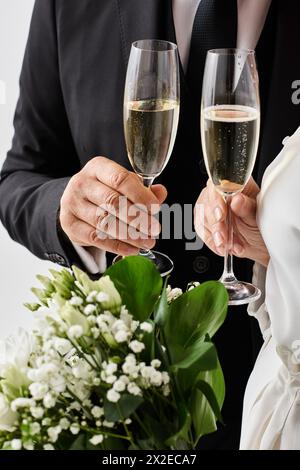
[230, 126]
[151, 113]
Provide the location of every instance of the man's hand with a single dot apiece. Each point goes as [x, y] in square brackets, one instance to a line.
[247, 240]
[91, 213]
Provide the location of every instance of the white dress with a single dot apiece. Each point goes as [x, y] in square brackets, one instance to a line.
[271, 416]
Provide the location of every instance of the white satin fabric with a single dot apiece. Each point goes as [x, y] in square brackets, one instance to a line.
[271, 417]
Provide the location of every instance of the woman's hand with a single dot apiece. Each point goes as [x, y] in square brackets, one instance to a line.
[247, 240]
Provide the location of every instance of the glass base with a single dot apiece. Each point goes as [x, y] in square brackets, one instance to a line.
[241, 292]
[162, 262]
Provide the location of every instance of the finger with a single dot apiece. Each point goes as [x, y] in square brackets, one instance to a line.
[209, 241]
[251, 189]
[244, 208]
[217, 212]
[160, 192]
[123, 181]
[106, 199]
[85, 235]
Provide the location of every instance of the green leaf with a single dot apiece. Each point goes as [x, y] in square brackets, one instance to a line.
[79, 443]
[32, 307]
[184, 424]
[161, 310]
[202, 353]
[209, 394]
[202, 310]
[139, 284]
[123, 408]
[203, 416]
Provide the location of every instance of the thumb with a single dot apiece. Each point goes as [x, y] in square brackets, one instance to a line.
[244, 207]
[160, 192]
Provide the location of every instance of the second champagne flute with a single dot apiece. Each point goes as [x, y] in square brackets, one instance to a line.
[230, 124]
[151, 113]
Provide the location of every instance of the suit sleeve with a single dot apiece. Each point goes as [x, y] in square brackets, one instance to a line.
[43, 156]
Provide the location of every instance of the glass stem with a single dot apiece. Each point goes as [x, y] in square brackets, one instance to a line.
[147, 181]
[228, 274]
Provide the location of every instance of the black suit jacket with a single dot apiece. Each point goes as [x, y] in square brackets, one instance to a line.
[70, 109]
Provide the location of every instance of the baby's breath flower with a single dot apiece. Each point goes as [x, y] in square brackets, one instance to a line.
[76, 301]
[98, 424]
[113, 396]
[146, 326]
[37, 412]
[156, 363]
[165, 378]
[95, 332]
[89, 309]
[119, 386]
[156, 378]
[74, 428]
[38, 390]
[128, 421]
[54, 433]
[22, 403]
[92, 296]
[136, 346]
[108, 424]
[35, 428]
[16, 444]
[111, 368]
[96, 381]
[97, 412]
[75, 331]
[121, 336]
[173, 294]
[134, 389]
[64, 423]
[48, 447]
[97, 439]
[28, 445]
[102, 297]
[49, 400]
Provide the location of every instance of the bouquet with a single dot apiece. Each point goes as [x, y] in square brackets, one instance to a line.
[124, 362]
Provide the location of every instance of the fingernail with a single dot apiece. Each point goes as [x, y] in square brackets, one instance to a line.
[218, 239]
[238, 249]
[218, 214]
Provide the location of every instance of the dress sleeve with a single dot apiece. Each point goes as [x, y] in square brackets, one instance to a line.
[258, 308]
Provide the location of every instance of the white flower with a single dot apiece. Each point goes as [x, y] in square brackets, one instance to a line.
[97, 412]
[136, 346]
[133, 389]
[92, 296]
[16, 351]
[21, 403]
[111, 368]
[7, 416]
[82, 370]
[74, 428]
[165, 378]
[110, 379]
[28, 445]
[147, 371]
[124, 378]
[146, 326]
[156, 378]
[89, 309]
[102, 297]
[64, 423]
[96, 381]
[75, 331]
[194, 284]
[156, 363]
[119, 386]
[38, 390]
[108, 424]
[95, 332]
[62, 346]
[58, 383]
[166, 390]
[48, 447]
[121, 336]
[172, 294]
[113, 396]
[16, 444]
[129, 368]
[95, 440]
[76, 301]
[128, 421]
[49, 400]
[54, 433]
[35, 428]
[37, 412]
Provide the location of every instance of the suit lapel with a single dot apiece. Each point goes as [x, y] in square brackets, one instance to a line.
[139, 19]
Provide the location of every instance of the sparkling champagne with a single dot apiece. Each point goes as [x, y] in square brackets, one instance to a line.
[150, 131]
[230, 136]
